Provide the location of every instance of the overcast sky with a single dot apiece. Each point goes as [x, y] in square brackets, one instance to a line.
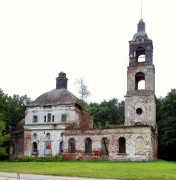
[85, 39]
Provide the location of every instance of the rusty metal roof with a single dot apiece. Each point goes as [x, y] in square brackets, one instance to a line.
[56, 97]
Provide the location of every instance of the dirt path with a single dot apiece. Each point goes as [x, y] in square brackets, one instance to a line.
[14, 176]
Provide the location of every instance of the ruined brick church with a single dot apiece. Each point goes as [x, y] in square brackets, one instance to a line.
[56, 123]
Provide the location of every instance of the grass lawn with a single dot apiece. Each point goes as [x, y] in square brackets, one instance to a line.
[97, 169]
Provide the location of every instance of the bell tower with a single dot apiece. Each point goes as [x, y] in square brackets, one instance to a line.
[140, 108]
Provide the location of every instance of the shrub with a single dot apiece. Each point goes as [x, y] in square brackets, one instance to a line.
[40, 159]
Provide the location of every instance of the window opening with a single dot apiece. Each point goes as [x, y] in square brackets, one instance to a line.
[34, 135]
[61, 147]
[49, 117]
[34, 148]
[63, 118]
[35, 119]
[140, 81]
[44, 118]
[104, 146]
[13, 148]
[122, 145]
[140, 54]
[71, 145]
[88, 145]
[139, 111]
[48, 135]
[53, 118]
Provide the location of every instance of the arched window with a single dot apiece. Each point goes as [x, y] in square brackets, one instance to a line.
[61, 147]
[34, 148]
[139, 81]
[71, 145]
[122, 145]
[88, 145]
[105, 146]
[140, 54]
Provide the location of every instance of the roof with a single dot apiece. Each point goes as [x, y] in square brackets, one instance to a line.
[56, 97]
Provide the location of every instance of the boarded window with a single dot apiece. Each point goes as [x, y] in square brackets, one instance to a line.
[105, 146]
[122, 145]
[63, 118]
[71, 145]
[34, 148]
[35, 119]
[88, 145]
[61, 147]
[48, 145]
[140, 145]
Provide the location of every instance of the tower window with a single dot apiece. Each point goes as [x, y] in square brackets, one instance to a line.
[139, 111]
[139, 81]
[140, 54]
[44, 118]
[53, 118]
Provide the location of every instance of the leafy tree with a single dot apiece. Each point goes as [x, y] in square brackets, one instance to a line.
[83, 91]
[3, 137]
[16, 110]
[107, 112]
[166, 119]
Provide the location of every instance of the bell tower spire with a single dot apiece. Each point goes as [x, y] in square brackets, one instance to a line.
[140, 97]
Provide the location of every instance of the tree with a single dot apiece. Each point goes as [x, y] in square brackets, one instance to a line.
[16, 110]
[3, 137]
[107, 112]
[166, 119]
[83, 91]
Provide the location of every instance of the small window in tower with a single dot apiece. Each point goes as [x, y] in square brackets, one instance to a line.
[63, 118]
[139, 111]
[44, 118]
[35, 118]
[53, 118]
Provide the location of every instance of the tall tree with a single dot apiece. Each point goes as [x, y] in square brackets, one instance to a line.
[166, 119]
[3, 137]
[83, 91]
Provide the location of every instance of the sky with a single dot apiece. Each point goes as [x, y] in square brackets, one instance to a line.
[86, 39]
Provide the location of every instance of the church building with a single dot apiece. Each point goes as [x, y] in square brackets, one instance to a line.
[56, 122]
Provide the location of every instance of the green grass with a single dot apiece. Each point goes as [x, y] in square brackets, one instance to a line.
[161, 170]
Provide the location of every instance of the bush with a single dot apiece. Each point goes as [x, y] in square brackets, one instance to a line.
[40, 159]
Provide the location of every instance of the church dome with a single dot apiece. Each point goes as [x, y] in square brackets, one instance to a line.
[56, 97]
[140, 30]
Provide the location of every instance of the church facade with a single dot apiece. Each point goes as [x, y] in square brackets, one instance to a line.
[56, 124]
